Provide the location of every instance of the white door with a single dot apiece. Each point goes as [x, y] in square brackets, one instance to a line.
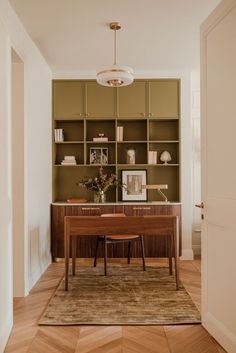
[218, 129]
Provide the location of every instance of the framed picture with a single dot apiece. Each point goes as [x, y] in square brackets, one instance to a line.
[133, 180]
[98, 155]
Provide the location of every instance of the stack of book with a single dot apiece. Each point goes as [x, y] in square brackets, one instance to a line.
[119, 133]
[152, 157]
[69, 160]
[100, 139]
[59, 135]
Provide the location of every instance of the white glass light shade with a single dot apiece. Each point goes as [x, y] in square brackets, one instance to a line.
[115, 76]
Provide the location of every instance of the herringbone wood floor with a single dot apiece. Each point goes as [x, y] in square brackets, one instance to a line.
[27, 337]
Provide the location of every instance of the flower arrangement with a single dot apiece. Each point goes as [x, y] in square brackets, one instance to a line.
[101, 183]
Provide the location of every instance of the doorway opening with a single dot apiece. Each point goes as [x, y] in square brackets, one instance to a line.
[18, 197]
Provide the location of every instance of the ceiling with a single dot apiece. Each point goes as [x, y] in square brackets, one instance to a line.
[156, 35]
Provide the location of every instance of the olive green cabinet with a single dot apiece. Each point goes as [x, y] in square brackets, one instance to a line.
[100, 101]
[163, 99]
[132, 100]
[68, 100]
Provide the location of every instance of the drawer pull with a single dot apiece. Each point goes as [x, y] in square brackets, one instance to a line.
[141, 208]
[90, 208]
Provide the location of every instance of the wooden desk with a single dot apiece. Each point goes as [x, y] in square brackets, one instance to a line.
[144, 225]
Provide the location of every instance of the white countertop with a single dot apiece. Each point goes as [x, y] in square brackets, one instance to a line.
[154, 203]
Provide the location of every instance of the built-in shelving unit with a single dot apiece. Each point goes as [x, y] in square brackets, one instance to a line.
[148, 111]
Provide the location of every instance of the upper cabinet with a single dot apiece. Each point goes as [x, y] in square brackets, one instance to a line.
[68, 98]
[164, 99]
[100, 101]
[132, 100]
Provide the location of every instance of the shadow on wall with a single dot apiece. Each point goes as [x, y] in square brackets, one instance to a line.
[39, 254]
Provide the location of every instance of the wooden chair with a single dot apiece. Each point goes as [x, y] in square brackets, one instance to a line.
[114, 239]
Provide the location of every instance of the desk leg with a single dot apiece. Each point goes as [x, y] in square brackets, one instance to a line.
[73, 250]
[176, 245]
[67, 253]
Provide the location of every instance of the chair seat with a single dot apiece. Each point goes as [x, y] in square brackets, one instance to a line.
[121, 237]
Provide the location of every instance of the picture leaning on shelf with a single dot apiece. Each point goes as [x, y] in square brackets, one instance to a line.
[98, 155]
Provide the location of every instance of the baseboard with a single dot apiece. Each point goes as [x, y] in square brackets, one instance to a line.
[225, 337]
[187, 254]
[5, 335]
[197, 250]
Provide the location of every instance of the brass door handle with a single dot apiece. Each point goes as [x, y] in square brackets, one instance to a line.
[201, 205]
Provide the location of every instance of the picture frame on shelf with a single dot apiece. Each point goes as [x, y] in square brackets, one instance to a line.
[133, 181]
[98, 155]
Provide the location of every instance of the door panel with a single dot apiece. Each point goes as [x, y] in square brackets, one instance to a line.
[218, 116]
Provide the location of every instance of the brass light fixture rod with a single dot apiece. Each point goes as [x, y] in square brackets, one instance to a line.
[115, 26]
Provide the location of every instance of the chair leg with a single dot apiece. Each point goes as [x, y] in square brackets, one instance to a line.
[96, 252]
[143, 253]
[73, 251]
[129, 252]
[169, 244]
[105, 255]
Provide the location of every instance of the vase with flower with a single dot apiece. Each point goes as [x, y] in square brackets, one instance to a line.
[100, 185]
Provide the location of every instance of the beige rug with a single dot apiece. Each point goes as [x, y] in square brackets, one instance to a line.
[127, 296]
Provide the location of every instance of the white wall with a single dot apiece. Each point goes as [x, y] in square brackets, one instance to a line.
[196, 162]
[37, 169]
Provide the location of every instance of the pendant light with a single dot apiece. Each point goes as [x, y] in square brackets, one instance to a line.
[115, 75]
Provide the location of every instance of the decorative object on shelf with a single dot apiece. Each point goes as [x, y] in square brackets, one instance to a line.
[130, 156]
[100, 138]
[115, 75]
[119, 133]
[99, 197]
[98, 155]
[100, 185]
[69, 160]
[133, 182]
[165, 157]
[152, 157]
[157, 187]
[59, 135]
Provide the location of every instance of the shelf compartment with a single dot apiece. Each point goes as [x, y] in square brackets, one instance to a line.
[172, 148]
[169, 176]
[111, 151]
[73, 130]
[163, 130]
[73, 149]
[67, 179]
[135, 130]
[106, 127]
[140, 152]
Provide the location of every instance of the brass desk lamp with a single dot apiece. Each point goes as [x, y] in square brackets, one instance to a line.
[157, 187]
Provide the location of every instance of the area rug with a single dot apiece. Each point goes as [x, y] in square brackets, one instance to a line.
[127, 296]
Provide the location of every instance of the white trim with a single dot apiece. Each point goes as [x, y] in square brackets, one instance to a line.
[187, 254]
[37, 273]
[225, 337]
[5, 335]
[197, 249]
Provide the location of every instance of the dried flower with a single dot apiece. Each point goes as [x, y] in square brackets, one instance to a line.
[102, 182]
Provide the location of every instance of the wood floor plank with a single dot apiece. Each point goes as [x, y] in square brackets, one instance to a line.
[148, 339]
[189, 338]
[100, 339]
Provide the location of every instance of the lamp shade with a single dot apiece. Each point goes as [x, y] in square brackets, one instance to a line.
[115, 76]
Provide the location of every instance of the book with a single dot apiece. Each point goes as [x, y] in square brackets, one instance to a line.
[59, 135]
[100, 139]
[119, 133]
[69, 158]
[152, 157]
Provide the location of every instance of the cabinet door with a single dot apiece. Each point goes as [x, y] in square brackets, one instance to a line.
[68, 100]
[132, 100]
[164, 99]
[100, 101]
